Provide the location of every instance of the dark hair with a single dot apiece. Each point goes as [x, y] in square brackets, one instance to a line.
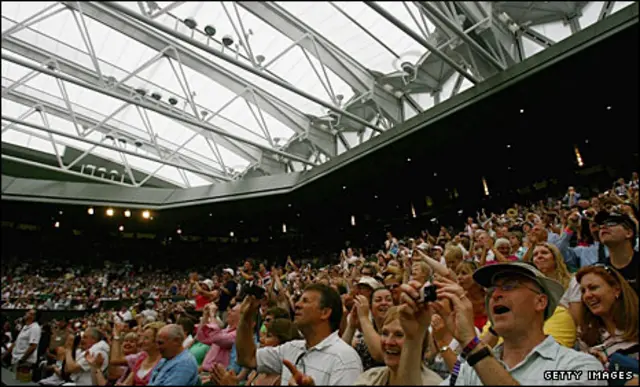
[284, 330]
[187, 324]
[278, 312]
[329, 298]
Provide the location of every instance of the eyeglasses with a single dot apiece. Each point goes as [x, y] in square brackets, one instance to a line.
[510, 285]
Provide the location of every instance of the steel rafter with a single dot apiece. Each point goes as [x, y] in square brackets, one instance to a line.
[227, 58]
[106, 129]
[425, 43]
[141, 31]
[151, 106]
[347, 68]
[252, 154]
[111, 147]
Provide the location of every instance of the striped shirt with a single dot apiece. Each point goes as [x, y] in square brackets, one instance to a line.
[332, 362]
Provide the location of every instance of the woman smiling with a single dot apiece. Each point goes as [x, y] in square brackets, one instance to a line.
[391, 342]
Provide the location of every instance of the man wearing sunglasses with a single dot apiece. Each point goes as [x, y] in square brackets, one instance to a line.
[618, 233]
[519, 300]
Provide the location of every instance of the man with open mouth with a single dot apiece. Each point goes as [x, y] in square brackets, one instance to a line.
[519, 300]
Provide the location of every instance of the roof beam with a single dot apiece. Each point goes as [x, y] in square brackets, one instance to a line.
[351, 71]
[142, 32]
[70, 68]
[50, 108]
[145, 103]
[111, 147]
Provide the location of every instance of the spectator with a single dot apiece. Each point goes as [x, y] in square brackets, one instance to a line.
[609, 321]
[618, 233]
[79, 368]
[24, 350]
[177, 366]
[520, 298]
[392, 340]
[317, 314]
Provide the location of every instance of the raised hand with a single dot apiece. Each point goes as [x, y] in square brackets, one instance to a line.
[414, 316]
[461, 322]
[362, 305]
[222, 377]
[297, 377]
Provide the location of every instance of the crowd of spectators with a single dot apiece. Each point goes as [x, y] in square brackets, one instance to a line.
[501, 299]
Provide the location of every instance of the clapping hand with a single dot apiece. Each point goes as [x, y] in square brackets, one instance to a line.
[362, 305]
[297, 377]
[221, 377]
[95, 361]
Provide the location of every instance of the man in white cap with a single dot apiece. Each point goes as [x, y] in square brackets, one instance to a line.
[519, 300]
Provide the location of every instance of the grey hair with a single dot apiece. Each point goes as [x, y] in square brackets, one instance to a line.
[95, 333]
[174, 331]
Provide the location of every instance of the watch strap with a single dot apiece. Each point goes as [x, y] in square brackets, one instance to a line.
[470, 347]
[474, 358]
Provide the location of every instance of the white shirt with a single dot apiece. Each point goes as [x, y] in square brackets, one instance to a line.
[29, 334]
[83, 378]
[331, 362]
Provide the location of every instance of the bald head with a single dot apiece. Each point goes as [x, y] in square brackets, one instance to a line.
[169, 340]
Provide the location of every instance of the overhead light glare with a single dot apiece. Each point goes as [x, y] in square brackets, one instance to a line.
[284, 228]
[578, 156]
[90, 211]
[109, 212]
[353, 220]
[127, 213]
[485, 186]
[56, 225]
[146, 214]
[121, 228]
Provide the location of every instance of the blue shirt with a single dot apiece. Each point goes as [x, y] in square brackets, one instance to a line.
[182, 370]
[233, 358]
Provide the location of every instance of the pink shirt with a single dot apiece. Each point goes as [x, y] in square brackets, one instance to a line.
[220, 340]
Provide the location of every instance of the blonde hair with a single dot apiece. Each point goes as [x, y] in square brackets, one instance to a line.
[453, 252]
[561, 273]
[624, 311]
[154, 326]
[424, 267]
[394, 314]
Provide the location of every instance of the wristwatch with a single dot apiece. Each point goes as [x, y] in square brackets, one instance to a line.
[477, 356]
[444, 349]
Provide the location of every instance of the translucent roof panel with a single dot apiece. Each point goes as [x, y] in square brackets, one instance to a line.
[200, 117]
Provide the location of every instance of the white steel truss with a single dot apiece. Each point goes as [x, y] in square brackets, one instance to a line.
[264, 120]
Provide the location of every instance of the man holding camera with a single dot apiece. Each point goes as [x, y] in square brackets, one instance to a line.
[519, 300]
[321, 358]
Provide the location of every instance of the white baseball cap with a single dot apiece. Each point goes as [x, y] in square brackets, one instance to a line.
[227, 270]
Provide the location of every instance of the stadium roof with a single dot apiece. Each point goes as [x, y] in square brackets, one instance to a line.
[188, 94]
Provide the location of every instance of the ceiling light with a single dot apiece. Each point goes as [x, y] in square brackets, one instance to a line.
[121, 228]
[434, 220]
[260, 59]
[435, 174]
[289, 205]
[344, 187]
[145, 214]
[608, 107]
[375, 196]
[284, 227]
[485, 186]
[60, 212]
[413, 211]
[151, 218]
[127, 213]
[210, 30]
[179, 231]
[227, 40]
[521, 111]
[90, 211]
[173, 101]
[508, 145]
[190, 22]
[578, 156]
[353, 220]
[231, 234]
[109, 212]
[210, 214]
[460, 212]
[56, 225]
[138, 144]
[409, 159]
[586, 141]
